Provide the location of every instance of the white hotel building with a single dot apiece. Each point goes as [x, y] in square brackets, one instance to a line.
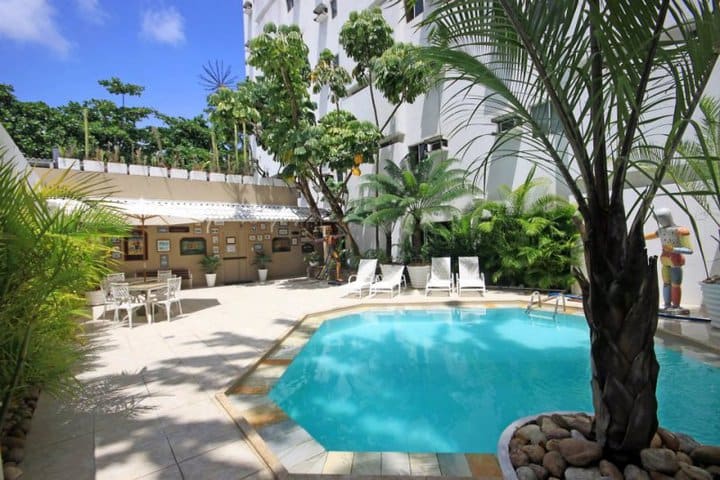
[426, 123]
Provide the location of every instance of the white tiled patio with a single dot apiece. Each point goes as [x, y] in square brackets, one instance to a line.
[147, 406]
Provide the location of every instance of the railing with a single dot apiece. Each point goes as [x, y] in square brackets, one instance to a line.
[560, 297]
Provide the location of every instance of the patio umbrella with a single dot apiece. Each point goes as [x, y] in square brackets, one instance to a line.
[142, 212]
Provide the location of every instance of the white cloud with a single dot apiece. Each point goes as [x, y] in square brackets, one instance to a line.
[32, 21]
[163, 25]
[91, 11]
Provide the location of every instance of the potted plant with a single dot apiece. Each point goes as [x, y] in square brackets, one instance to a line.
[261, 260]
[313, 258]
[210, 264]
[412, 193]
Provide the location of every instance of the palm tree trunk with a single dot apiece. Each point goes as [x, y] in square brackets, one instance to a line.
[621, 305]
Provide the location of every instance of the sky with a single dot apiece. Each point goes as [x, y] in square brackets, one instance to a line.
[56, 50]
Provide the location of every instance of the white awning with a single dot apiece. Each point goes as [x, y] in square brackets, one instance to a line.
[209, 211]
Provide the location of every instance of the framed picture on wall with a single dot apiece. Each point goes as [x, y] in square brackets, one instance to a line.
[258, 247]
[251, 238]
[282, 231]
[136, 246]
[214, 230]
[197, 230]
[267, 236]
[230, 240]
[163, 245]
[116, 255]
[262, 226]
[230, 248]
[192, 246]
[283, 224]
[216, 250]
[294, 241]
[215, 240]
[253, 228]
[162, 229]
[164, 261]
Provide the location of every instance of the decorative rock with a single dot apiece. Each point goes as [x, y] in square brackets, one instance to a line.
[518, 458]
[554, 463]
[552, 445]
[574, 473]
[15, 455]
[633, 472]
[660, 460]
[687, 443]
[526, 473]
[688, 472]
[533, 433]
[534, 452]
[683, 457]
[12, 472]
[656, 441]
[581, 423]
[580, 452]
[714, 471]
[540, 472]
[516, 442]
[660, 476]
[560, 421]
[608, 469]
[547, 425]
[577, 435]
[669, 439]
[706, 455]
[557, 433]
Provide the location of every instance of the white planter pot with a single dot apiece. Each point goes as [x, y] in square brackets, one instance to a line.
[158, 172]
[117, 167]
[96, 297]
[711, 300]
[141, 170]
[262, 274]
[210, 279]
[418, 275]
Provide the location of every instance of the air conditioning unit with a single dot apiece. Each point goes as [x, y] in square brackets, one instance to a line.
[321, 12]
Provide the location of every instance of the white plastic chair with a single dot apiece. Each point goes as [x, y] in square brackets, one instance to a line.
[440, 277]
[169, 296]
[108, 301]
[469, 275]
[392, 278]
[164, 275]
[124, 301]
[386, 269]
[364, 277]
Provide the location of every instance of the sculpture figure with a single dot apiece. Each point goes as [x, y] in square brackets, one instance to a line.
[675, 241]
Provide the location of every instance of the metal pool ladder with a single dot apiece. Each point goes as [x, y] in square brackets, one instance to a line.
[536, 295]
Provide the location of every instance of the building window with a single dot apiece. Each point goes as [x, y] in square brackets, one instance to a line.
[290, 4]
[506, 123]
[333, 8]
[421, 150]
[336, 59]
[413, 8]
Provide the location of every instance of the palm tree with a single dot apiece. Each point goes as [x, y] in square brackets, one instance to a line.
[412, 193]
[588, 83]
[48, 258]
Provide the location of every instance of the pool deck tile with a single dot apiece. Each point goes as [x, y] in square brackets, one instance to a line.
[312, 465]
[394, 463]
[301, 454]
[454, 465]
[266, 414]
[367, 463]
[424, 465]
[338, 463]
[483, 465]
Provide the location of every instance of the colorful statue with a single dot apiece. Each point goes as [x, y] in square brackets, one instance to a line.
[675, 242]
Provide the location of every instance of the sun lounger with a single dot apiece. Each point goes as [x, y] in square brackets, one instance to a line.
[392, 278]
[440, 277]
[469, 275]
[364, 277]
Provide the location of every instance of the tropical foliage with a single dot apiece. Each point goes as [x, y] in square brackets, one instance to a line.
[319, 155]
[589, 84]
[414, 194]
[48, 259]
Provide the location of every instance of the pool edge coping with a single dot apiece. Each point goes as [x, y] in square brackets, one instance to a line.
[256, 442]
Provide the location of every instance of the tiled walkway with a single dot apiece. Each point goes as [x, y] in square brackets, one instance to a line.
[147, 407]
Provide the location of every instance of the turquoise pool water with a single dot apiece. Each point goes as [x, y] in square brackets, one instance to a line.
[451, 380]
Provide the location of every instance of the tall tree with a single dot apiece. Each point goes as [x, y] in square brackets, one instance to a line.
[611, 76]
[317, 155]
[393, 69]
[116, 86]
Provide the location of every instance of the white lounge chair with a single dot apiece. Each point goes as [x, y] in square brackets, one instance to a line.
[386, 269]
[364, 277]
[392, 278]
[469, 275]
[440, 277]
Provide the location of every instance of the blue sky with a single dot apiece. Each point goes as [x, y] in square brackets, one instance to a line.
[56, 50]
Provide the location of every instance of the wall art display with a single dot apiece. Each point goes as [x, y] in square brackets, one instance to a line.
[258, 247]
[164, 260]
[262, 226]
[192, 246]
[215, 240]
[294, 240]
[197, 230]
[136, 246]
[162, 229]
[229, 240]
[179, 229]
[216, 250]
[251, 238]
[281, 244]
[282, 231]
[267, 236]
[214, 230]
[163, 245]
[230, 248]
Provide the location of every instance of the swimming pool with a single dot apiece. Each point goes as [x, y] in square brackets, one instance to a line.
[450, 380]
